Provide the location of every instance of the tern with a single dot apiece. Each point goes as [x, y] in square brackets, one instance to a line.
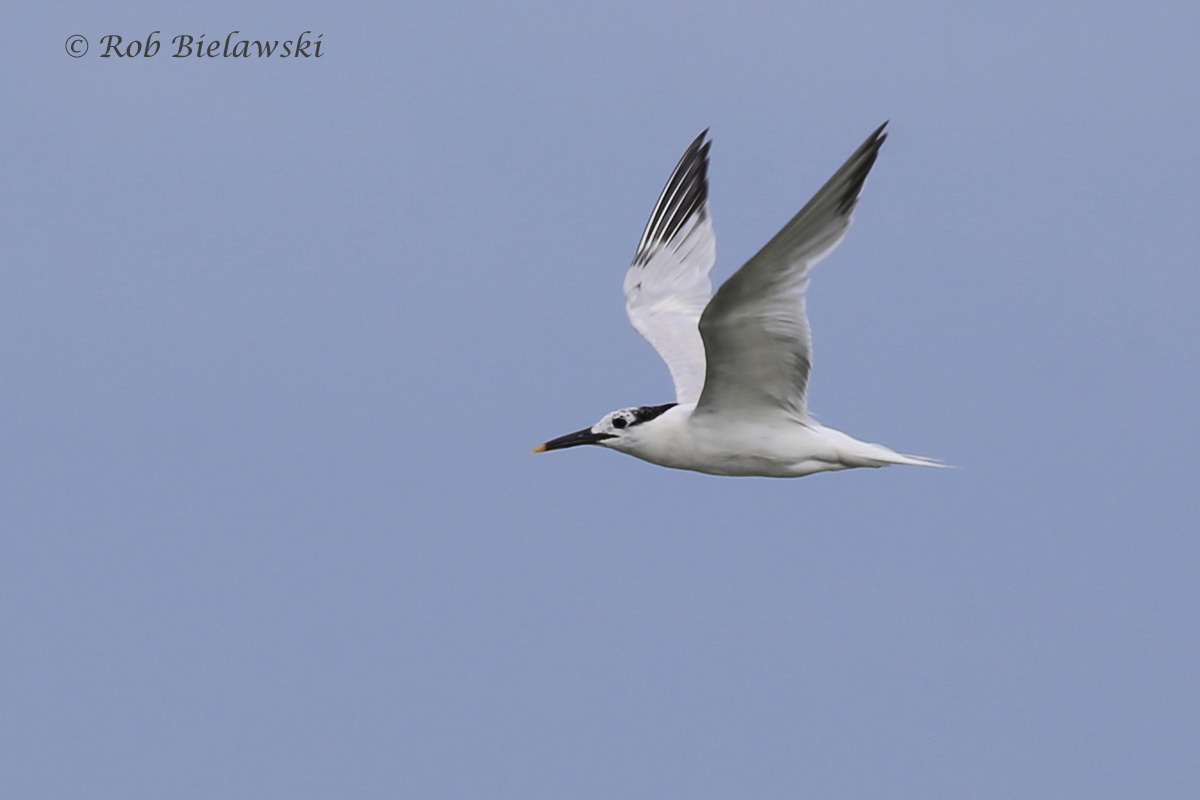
[739, 359]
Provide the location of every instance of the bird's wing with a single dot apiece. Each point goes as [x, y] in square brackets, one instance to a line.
[755, 330]
[667, 286]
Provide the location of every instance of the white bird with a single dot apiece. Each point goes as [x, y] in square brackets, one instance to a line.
[740, 360]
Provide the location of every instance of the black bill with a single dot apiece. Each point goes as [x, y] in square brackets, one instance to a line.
[584, 436]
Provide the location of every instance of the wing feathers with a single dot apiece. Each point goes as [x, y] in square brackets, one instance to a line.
[685, 194]
[755, 330]
[667, 286]
[820, 225]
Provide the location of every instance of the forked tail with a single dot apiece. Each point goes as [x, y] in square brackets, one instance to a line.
[917, 461]
[876, 455]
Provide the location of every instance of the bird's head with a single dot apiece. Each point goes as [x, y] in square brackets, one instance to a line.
[620, 430]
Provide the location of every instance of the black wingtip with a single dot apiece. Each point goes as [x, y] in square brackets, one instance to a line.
[685, 195]
[856, 169]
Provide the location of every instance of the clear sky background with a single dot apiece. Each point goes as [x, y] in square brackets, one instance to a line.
[277, 336]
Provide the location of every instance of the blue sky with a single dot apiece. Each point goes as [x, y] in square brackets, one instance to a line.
[277, 336]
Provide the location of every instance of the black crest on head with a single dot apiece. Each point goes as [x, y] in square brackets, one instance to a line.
[647, 413]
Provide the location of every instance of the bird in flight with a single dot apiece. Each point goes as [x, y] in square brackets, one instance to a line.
[739, 359]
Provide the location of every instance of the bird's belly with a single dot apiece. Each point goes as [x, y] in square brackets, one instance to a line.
[773, 452]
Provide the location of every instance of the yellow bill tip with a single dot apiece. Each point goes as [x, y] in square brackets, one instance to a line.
[541, 448]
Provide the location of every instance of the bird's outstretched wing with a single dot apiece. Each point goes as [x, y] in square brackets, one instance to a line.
[667, 286]
[755, 331]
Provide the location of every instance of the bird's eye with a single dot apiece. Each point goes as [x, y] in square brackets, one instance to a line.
[619, 422]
